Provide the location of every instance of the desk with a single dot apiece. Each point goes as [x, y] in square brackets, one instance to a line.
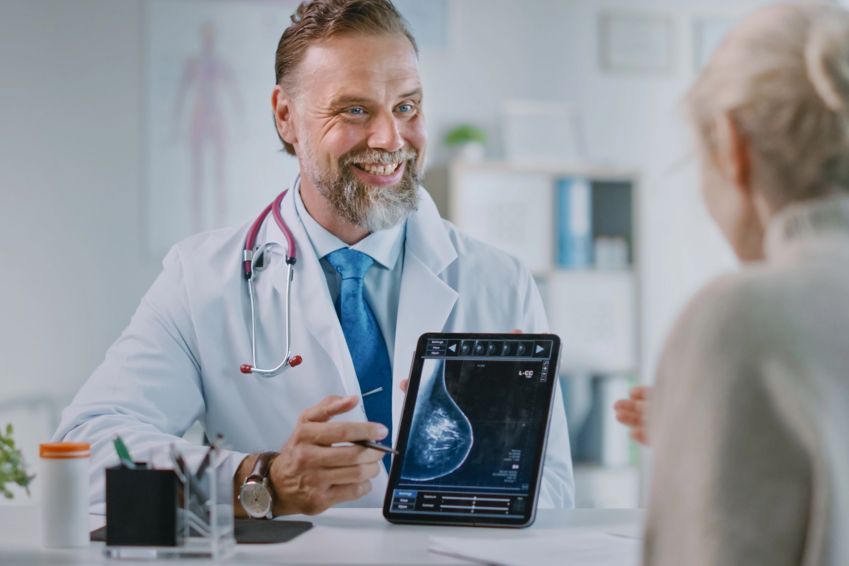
[339, 536]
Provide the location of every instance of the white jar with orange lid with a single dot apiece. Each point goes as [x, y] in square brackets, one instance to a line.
[63, 475]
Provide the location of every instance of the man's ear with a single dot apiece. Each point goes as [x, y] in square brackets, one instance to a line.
[281, 105]
[733, 156]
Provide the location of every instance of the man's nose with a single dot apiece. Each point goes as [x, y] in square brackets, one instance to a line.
[385, 133]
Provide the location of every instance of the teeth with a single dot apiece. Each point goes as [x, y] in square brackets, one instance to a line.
[378, 169]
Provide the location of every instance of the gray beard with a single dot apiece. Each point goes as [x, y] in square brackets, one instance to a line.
[375, 208]
[370, 207]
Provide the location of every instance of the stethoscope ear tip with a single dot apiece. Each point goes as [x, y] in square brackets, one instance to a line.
[291, 362]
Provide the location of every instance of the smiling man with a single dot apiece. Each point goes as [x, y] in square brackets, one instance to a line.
[376, 267]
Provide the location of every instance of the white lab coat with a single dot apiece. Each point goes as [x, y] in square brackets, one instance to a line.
[178, 360]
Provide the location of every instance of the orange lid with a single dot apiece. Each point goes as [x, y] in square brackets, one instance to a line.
[64, 450]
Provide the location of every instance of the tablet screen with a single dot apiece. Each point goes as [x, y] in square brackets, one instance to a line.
[473, 431]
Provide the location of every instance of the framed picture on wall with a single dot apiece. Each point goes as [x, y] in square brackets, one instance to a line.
[635, 42]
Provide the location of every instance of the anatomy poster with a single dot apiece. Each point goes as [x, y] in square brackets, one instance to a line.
[213, 158]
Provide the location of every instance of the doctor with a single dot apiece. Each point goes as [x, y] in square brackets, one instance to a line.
[376, 268]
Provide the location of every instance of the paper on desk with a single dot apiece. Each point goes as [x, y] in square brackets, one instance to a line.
[570, 548]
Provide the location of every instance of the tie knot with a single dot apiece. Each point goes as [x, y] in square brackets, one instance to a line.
[350, 264]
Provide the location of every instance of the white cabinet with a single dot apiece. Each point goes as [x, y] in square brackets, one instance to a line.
[509, 210]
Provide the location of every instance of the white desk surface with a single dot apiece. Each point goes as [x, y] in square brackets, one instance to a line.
[339, 536]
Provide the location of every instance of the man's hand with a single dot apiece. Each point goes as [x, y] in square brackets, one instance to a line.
[632, 413]
[310, 474]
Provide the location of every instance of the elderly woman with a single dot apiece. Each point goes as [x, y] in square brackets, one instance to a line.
[749, 419]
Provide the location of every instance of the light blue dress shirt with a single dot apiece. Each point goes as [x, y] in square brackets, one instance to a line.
[382, 282]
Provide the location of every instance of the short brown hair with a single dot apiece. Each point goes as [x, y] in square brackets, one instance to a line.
[316, 20]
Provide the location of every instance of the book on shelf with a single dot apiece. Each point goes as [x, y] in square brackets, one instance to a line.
[574, 222]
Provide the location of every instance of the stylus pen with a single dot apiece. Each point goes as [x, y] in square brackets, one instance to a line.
[375, 445]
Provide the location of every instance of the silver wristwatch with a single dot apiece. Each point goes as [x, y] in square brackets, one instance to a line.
[255, 493]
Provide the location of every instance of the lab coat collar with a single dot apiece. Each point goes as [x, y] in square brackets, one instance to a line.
[426, 300]
[427, 236]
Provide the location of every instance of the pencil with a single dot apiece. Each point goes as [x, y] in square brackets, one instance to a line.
[375, 446]
[123, 453]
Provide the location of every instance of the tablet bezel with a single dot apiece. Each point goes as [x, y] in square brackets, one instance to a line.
[406, 422]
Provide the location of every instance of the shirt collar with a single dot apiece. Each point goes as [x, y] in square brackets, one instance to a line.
[383, 246]
[800, 221]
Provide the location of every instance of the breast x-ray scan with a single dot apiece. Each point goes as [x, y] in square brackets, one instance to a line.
[472, 440]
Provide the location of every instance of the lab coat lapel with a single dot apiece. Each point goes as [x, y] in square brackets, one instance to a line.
[425, 300]
[311, 303]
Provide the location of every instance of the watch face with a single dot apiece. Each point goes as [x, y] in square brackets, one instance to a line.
[256, 499]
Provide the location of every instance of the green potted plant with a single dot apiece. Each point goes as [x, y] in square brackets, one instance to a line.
[469, 142]
[12, 465]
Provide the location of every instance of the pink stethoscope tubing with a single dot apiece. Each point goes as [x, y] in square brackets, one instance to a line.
[250, 256]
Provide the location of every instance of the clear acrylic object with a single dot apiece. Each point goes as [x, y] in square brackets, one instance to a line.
[204, 518]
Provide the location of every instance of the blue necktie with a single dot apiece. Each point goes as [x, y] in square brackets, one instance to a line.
[365, 341]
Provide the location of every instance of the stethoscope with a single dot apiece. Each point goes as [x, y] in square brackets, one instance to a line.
[254, 260]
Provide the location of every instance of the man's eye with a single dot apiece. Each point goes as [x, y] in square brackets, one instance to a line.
[357, 111]
[406, 108]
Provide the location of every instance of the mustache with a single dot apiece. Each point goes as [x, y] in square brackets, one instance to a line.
[378, 156]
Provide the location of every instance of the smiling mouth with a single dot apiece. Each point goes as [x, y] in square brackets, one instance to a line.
[382, 169]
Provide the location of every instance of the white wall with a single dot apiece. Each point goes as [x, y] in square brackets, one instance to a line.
[70, 170]
[71, 174]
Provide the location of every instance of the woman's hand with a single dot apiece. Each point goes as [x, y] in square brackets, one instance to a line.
[632, 413]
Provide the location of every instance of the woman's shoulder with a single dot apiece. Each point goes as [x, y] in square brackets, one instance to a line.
[730, 298]
[729, 315]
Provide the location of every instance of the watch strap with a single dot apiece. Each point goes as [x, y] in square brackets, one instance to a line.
[262, 467]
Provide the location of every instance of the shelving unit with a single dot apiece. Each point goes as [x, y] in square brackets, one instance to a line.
[534, 212]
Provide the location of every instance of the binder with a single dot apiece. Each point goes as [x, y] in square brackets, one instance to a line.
[574, 222]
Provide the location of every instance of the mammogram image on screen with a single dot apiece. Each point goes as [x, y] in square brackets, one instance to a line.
[475, 423]
[441, 436]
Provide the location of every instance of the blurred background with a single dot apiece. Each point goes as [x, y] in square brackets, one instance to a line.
[556, 133]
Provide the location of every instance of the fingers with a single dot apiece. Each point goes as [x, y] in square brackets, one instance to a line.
[640, 392]
[630, 419]
[405, 384]
[327, 434]
[639, 434]
[629, 406]
[351, 474]
[327, 408]
[349, 492]
[311, 473]
[630, 412]
[516, 331]
[342, 456]
[318, 499]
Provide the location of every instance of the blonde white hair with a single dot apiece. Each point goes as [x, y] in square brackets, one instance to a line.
[782, 76]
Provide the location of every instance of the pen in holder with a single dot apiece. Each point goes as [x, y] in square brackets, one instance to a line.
[171, 510]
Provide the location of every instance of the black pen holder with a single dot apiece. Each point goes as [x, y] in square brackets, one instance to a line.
[178, 508]
[141, 507]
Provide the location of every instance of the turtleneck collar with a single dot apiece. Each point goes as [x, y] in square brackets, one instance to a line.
[804, 220]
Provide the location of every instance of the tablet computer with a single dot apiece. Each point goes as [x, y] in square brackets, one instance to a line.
[472, 436]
